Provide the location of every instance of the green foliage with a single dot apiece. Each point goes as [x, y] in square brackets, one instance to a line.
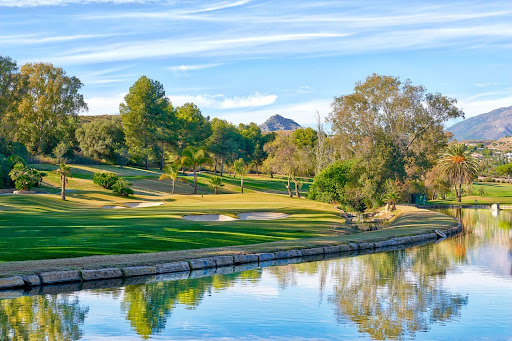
[192, 127]
[25, 178]
[305, 137]
[329, 185]
[215, 183]
[61, 151]
[505, 169]
[101, 139]
[122, 188]
[105, 179]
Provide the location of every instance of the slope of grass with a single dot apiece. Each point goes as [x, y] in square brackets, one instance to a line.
[492, 193]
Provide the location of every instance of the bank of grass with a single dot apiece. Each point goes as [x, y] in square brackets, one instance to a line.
[492, 193]
[129, 238]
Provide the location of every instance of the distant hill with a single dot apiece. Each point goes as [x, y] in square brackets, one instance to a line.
[278, 122]
[490, 126]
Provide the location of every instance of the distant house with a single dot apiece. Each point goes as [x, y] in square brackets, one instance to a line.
[477, 156]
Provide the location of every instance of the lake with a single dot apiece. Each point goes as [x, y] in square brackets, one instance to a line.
[457, 289]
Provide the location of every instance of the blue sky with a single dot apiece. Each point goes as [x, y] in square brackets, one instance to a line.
[244, 60]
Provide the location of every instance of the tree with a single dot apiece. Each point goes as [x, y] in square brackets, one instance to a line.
[505, 170]
[122, 188]
[193, 158]
[12, 89]
[215, 183]
[393, 128]
[459, 166]
[47, 113]
[64, 171]
[329, 185]
[224, 142]
[147, 115]
[25, 178]
[193, 127]
[101, 139]
[391, 195]
[171, 172]
[437, 183]
[241, 169]
[305, 137]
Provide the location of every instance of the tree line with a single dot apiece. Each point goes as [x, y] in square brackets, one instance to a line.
[383, 142]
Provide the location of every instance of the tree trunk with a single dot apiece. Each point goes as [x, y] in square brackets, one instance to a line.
[147, 162]
[162, 160]
[63, 188]
[215, 169]
[195, 181]
[297, 189]
[256, 166]
[242, 182]
[221, 166]
[271, 175]
[459, 196]
[215, 190]
[173, 181]
[288, 187]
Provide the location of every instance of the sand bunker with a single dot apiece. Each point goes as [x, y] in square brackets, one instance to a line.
[243, 216]
[262, 216]
[133, 205]
[143, 204]
[208, 217]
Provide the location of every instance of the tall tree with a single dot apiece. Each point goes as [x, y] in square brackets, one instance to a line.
[241, 169]
[460, 167]
[65, 172]
[171, 172]
[101, 139]
[147, 116]
[12, 88]
[47, 112]
[193, 158]
[224, 142]
[193, 127]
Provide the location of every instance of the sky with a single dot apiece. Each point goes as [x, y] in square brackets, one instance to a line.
[245, 60]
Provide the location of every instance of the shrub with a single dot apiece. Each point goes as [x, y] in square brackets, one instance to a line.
[122, 188]
[25, 178]
[329, 185]
[105, 180]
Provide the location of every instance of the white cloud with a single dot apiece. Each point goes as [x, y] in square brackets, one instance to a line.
[473, 107]
[220, 6]
[223, 102]
[36, 3]
[104, 105]
[37, 39]
[184, 68]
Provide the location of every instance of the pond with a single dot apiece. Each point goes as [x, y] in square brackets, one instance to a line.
[458, 289]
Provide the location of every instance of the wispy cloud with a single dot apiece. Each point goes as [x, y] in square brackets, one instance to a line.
[223, 102]
[219, 6]
[39, 39]
[184, 68]
[37, 3]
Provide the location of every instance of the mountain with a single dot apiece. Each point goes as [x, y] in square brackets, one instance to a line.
[278, 122]
[490, 126]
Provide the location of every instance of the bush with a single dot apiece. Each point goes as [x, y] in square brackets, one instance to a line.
[329, 185]
[122, 188]
[105, 180]
[25, 178]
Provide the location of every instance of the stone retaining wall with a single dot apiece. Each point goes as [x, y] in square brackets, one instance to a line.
[202, 267]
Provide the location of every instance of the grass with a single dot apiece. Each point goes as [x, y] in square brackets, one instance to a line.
[35, 227]
[493, 193]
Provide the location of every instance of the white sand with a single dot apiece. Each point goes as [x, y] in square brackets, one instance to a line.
[243, 216]
[133, 205]
[143, 204]
[262, 216]
[113, 207]
[209, 217]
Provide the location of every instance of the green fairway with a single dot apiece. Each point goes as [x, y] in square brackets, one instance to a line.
[42, 226]
[492, 193]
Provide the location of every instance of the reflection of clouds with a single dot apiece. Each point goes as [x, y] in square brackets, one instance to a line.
[258, 291]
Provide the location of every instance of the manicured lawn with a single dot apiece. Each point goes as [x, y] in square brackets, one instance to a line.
[43, 227]
[493, 193]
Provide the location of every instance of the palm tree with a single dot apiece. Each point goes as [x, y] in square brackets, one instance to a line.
[241, 169]
[215, 183]
[459, 166]
[64, 171]
[171, 172]
[193, 158]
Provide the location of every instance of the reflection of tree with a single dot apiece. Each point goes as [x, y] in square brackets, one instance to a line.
[393, 295]
[41, 318]
[147, 306]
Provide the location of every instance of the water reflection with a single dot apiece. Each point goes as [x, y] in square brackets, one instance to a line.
[405, 294]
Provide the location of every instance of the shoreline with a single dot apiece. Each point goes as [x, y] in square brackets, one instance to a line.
[82, 269]
[302, 256]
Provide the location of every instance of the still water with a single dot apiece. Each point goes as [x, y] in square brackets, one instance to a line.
[458, 289]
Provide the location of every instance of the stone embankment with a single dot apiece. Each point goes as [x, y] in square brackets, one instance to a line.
[215, 262]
